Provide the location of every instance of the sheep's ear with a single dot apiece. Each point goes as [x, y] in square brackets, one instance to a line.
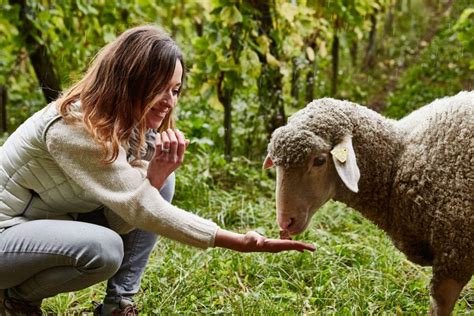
[268, 163]
[345, 161]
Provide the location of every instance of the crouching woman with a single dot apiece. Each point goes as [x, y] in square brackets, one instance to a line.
[87, 182]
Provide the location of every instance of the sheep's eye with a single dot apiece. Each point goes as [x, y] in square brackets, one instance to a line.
[319, 161]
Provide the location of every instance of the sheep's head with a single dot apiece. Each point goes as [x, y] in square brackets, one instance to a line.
[308, 168]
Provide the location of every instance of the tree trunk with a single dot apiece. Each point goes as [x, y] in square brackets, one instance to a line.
[310, 78]
[198, 26]
[295, 76]
[271, 98]
[38, 53]
[335, 63]
[369, 60]
[353, 51]
[225, 97]
[398, 5]
[179, 13]
[228, 127]
[124, 16]
[388, 27]
[310, 41]
[270, 85]
[3, 109]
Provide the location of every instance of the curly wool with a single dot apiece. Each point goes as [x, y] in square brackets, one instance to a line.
[291, 145]
[434, 184]
[317, 127]
[417, 174]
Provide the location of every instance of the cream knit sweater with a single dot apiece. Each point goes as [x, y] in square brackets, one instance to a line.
[124, 189]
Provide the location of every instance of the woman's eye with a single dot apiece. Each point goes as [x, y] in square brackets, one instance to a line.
[175, 92]
[319, 161]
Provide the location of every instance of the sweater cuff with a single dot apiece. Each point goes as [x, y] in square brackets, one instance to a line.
[203, 233]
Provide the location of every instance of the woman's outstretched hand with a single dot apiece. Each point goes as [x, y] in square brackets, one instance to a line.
[254, 242]
[170, 147]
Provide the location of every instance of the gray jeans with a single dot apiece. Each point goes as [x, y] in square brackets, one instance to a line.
[42, 258]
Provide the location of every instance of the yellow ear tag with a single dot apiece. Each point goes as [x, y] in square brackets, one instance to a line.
[340, 154]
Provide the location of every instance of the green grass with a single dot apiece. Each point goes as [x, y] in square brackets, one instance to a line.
[355, 269]
[443, 69]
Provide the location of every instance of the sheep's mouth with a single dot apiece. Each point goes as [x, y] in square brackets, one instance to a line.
[300, 225]
[296, 230]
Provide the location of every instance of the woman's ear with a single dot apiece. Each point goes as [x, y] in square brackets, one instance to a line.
[345, 161]
[268, 163]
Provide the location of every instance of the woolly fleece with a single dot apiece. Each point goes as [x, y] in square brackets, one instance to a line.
[417, 174]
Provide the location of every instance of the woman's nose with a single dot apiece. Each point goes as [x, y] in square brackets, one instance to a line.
[167, 98]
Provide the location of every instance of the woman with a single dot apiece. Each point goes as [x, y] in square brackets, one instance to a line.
[76, 175]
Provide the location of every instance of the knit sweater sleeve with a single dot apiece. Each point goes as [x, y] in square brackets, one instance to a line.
[123, 188]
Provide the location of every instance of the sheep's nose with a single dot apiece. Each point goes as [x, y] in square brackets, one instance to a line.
[285, 223]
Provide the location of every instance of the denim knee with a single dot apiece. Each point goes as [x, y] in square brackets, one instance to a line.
[102, 253]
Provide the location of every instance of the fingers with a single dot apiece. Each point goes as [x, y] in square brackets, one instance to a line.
[165, 147]
[173, 154]
[158, 145]
[277, 245]
[181, 145]
[171, 146]
[300, 246]
[256, 242]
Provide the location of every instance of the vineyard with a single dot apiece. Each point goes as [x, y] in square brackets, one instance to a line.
[250, 65]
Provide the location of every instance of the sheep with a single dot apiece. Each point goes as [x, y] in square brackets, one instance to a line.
[414, 178]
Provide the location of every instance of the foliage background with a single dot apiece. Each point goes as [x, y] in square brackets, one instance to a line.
[251, 64]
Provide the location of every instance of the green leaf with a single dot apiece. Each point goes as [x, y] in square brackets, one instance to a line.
[323, 52]
[109, 36]
[288, 11]
[59, 23]
[285, 71]
[87, 9]
[206, 90]
[310, 53]
[215, 103]
[358, 33]
[201, 43]
[272, 61]
[231, 15]
[211, 61]
[463, 18]
[263, 43]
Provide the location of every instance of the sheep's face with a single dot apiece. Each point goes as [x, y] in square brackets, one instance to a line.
[305, 175]
[300, 191]
[308, 171]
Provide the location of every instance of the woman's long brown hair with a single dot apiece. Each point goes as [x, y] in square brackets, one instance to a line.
[117, 90]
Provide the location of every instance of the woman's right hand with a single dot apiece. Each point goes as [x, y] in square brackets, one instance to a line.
[170, 147]
[254, 242]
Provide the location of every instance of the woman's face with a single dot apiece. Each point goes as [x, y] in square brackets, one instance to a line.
[166, 101]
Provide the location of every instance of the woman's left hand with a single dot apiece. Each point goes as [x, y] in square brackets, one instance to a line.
[169, 155]
[254, 242]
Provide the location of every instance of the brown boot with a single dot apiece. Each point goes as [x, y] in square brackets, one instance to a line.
[13, 307]
[125, 308]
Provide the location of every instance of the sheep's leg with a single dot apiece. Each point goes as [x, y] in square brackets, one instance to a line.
[444, 294]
